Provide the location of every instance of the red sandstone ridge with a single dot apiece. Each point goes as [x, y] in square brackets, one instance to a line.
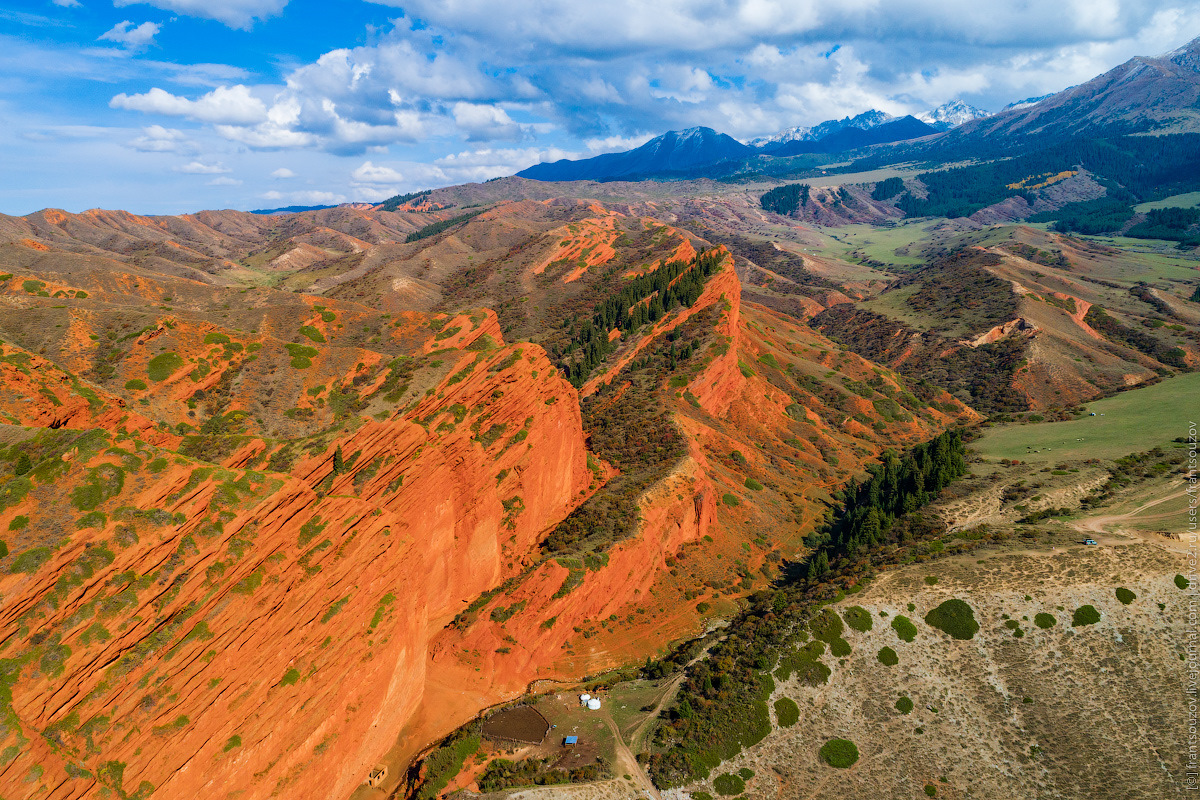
[35, 393]
[292, 613]
[723, 287]
[347, 553]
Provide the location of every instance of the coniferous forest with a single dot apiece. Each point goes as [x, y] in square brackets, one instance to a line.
[721, 707]
[644, 299]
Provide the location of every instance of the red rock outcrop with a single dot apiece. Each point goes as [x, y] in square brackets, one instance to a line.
[292, 614]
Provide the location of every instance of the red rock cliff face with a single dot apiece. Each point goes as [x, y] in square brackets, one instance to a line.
[497, 656]
[292, 614]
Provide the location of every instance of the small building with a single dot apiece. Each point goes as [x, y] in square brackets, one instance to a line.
[376, 776]
[593, 704]
[569, 742]
[584, 698]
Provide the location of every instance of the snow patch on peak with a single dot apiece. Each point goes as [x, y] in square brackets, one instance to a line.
[952, 114]
[1026, 103]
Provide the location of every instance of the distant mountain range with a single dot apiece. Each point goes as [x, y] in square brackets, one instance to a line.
[864, 121]
[288, 210]
[676, 151]
[944, 117]
[852, 138]
[682, 152]
[1143, 94]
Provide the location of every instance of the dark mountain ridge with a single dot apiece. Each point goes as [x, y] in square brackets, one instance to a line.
[675, 151]
[850, 138]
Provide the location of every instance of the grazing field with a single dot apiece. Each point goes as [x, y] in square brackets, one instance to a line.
[1189, 200]
[1132, 421]
[880, 243]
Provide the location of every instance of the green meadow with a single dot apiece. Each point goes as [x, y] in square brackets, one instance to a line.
[1126, 423]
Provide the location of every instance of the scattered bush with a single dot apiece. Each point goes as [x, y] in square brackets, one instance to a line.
[1044, 621]
[787, 712]
[887, 656]
[806, 663]
[136, 385]
[730, 499]
[840, 753]
[1085, 615]
[904, 705]
[753, 485]
[163, 366]
[904, 628]
[826, 626]
[729, 785]
[1182, 582]
[930, 790]
[302, 355]
[444, 763]
[955, 618]
[858, 618]
[290, 677]
[103, 483]
[1125, 596]
[312, 334]
[235, 740]
[18, 523]
[30, 560]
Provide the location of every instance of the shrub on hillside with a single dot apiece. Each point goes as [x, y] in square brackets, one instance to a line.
[857, 618]
[728, 785]
[840, 753]
[955, 618]
[787, 713]
[163, 366]
[904, 628]
[1044, 621]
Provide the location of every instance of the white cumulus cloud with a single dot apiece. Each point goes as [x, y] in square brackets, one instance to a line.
[370, 173]
[283, 173]
[231, 105]
[234, 13]
[157, 139]
[134, 37]
[200, 168]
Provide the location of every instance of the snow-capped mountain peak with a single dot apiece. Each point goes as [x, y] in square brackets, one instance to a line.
[797, 133]
[801, 133]
[951, 115]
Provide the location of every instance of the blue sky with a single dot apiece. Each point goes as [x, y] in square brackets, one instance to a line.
[171, 106]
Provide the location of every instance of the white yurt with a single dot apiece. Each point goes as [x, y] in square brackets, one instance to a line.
[584, 698]
[593, 704]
